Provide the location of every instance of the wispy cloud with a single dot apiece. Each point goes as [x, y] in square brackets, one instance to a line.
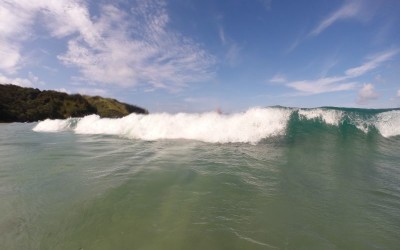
[322, 85]
[343, 82]
[123, 47]
[366, 94]
[350, 9]
[328, 64]
[278, 78]
[360, 10]
[293, 45]
[232, 49]
[373, 62]
[232, 55]
[221, 34]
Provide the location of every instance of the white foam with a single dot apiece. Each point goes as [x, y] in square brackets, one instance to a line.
[388, 123]
[53, 125]
[250, 126]
[331, 117]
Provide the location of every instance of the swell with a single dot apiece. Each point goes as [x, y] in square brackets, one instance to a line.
[251, 126]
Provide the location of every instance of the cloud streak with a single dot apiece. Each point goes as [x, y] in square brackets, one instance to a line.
[232, 49]
[372, 63]
[278, 78]
[321, 85]
[120, 47]
[343, 82]
[349, 10]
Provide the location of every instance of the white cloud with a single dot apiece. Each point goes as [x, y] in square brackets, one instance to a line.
[322, 85]
[10, 57]
[350, 9]
[64, 90]
[372, 63]
[92, 91]
[31, 81]
[344, 82]
[23, 82]
[116, 47]
[398, 93]
[12, 32]
[366, 94]
[360, 10]
[278, 78]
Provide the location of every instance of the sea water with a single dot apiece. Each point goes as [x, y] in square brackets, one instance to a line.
[267, 178]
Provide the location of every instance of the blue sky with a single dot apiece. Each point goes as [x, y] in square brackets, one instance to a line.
[198, 55]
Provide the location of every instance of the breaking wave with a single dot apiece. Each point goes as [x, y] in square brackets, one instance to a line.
[251, 126]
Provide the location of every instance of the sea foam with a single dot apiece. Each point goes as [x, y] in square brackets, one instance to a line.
[331, 117]
[57, 125]
[388, 123]
[250, 126]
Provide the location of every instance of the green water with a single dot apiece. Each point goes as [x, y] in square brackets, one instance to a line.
[312, 189]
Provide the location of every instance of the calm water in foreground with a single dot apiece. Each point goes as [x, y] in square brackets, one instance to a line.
[316, 189]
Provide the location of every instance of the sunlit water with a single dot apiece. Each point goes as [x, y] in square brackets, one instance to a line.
[315, 189]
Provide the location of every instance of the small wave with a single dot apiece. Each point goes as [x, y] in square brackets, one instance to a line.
[55, 125]
[248, 127]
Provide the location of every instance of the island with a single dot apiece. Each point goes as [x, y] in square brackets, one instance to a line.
[19, 104]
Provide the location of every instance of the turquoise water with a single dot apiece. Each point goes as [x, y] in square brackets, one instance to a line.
[311, 184]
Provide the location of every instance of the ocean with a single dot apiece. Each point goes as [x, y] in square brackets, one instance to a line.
[267, 178]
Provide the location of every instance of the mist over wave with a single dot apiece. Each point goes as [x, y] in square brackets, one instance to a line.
[248, 127]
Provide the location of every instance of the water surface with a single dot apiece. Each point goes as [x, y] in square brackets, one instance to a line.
[314, 186]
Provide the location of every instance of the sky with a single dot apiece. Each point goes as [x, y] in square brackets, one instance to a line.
[201, 55]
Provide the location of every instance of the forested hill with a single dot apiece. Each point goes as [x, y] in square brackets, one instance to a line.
[18, 104]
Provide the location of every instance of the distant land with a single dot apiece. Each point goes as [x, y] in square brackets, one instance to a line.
[18, 104]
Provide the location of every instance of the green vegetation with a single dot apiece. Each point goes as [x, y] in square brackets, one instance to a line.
[107, 107]
[19, 104]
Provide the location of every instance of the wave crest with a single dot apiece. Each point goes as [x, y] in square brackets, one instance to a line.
[249, 127]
